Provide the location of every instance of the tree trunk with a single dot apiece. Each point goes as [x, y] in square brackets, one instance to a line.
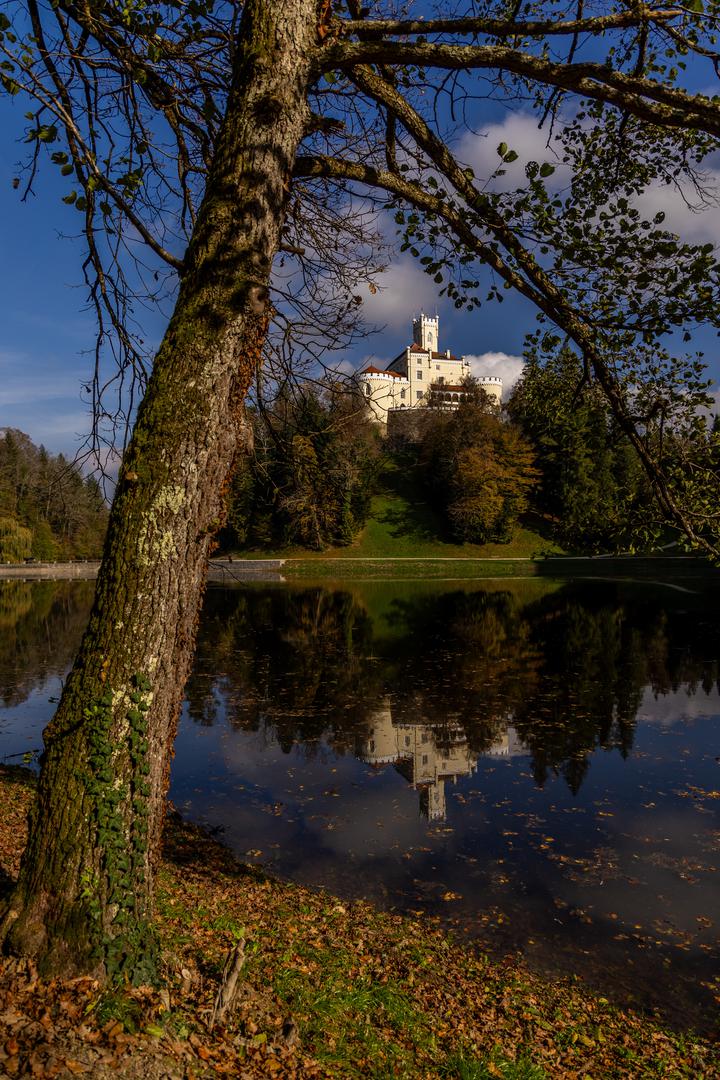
[83, 901]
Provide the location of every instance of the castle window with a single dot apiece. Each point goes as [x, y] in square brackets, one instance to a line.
[402, 394]
[419, 374]
[407, 740]
[424, 759]
[437, 368]
[368, 391]
[418, 394]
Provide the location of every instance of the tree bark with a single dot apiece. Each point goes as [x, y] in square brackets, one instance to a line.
[83, 901]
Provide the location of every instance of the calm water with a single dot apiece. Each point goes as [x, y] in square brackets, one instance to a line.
[535, 762]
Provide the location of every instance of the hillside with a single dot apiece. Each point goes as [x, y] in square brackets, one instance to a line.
[48, 509]
[402, 524]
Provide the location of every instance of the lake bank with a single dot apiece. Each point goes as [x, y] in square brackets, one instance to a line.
[245, 569]
[330, 988]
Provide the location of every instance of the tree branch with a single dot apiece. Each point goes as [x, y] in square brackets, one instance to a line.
[503, 28]
[650, 101]
[537, 287]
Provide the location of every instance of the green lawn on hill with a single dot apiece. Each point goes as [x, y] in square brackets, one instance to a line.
[403, 525]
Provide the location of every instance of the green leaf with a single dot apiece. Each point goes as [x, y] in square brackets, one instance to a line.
[47, 133]
[10, 85]
[546, 169]
[511, 156]
[502, 149]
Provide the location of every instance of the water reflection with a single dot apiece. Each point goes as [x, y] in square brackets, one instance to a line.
[534, 761]
[437, 679]
[41, 624]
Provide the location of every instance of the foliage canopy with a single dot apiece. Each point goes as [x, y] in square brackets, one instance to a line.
[207, 142]
[127, 102]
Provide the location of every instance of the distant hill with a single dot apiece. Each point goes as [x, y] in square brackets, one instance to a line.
[48, 509]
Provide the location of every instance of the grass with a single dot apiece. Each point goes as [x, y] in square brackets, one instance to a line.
[402, 525]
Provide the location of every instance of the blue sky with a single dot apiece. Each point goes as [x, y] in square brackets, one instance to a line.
[47, 334]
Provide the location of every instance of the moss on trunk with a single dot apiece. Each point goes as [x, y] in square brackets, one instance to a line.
[84, 897]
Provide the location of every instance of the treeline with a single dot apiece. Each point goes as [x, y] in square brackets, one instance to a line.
[310, 475]
[317, 456]
[592, 490]
[478, 467]
[555, 452]
[48, 509]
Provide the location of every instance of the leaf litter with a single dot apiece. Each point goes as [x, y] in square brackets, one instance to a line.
[327, 989]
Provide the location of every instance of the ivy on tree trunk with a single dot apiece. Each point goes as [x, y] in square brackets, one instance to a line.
[83, 901]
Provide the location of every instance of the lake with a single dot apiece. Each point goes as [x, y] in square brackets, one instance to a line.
[534, 762]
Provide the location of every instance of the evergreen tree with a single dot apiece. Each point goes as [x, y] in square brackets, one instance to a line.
[48, 509]
[592, 487]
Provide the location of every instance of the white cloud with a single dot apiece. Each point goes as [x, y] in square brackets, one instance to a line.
[499, 364]
[404, 288]
[521, 133]
[692, 224]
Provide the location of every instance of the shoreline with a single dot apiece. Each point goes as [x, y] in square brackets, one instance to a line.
[230, 570]
[366, 992]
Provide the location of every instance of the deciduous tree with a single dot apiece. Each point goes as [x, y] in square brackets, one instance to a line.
[479, 467]
[216, 137]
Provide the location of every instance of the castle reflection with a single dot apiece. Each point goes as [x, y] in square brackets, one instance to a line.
[425, 756]
[429, 756]
[427, 681]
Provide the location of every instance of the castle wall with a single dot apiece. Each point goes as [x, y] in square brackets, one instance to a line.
[407, 381]
[386, 392]
[407, 426]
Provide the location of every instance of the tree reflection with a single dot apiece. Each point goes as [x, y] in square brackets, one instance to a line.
[41, 624]
[292, 659]
[460, 673]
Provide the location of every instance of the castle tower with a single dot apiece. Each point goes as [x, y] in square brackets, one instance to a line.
[425, 331]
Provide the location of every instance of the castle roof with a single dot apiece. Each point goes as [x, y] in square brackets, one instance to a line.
[377, 371]
[417, 348]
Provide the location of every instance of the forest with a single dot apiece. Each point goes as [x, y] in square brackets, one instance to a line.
[553, 457]
[48, 509]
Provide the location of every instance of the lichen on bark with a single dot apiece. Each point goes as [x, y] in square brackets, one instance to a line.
[83, 901]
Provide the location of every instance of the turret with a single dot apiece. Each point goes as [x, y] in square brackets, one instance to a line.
[426, 330]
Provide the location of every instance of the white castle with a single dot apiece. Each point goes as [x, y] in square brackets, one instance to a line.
[419, 374]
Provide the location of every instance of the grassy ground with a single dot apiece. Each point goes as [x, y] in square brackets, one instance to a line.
[403, 525]
[328, 989]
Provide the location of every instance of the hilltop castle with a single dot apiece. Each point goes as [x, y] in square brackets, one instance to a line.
[420, 373]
